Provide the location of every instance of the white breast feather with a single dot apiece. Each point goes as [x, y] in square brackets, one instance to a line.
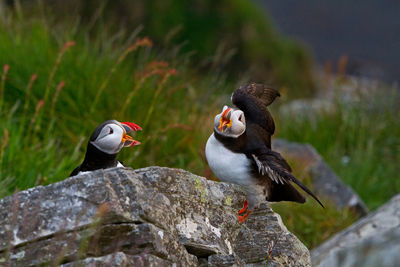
[228, 166]
[119, 164]
[234, 168]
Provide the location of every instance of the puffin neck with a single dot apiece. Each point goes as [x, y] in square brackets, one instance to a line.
[232, 143]
[98, 158]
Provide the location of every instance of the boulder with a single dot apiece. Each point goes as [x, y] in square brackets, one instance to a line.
[148, 217]
[372, 241]
[325, 182]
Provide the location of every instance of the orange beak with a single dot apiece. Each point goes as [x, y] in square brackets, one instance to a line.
[127, 139]
[225, 121]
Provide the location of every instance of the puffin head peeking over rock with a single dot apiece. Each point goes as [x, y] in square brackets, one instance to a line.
[239, 151]
[104, 144]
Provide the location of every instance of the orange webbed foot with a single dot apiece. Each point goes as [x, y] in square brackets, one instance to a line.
[244, 207]
[244, 217]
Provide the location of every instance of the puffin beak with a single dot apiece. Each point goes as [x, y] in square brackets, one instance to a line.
[225, 121]
[131, 127]
[127, 139]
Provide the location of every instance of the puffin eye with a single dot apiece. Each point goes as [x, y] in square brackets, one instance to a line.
[111, 131]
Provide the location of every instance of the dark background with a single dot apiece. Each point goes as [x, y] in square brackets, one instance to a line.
[367, 31]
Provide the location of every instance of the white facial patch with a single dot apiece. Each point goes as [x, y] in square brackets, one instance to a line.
[109, 139]
[238, 123]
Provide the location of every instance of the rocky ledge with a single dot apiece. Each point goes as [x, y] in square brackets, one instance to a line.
[372, 241]
[147, 217]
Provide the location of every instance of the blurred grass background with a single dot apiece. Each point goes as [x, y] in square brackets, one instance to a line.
[169, 67]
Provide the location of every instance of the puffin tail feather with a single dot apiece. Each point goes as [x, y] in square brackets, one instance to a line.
[305, 189]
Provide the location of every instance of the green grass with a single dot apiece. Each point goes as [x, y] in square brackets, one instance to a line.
[312, 224]
[56, 93]
[122, 79]
[361, 142]
[365, 131]
[232, 37]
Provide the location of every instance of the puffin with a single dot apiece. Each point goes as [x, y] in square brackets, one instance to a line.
[104, 144]
[239, 150]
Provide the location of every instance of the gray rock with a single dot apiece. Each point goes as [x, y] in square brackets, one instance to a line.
[372, 241]
[264, 233]
[148, 217]
[325, 182]
[307, 108]
[120, 259]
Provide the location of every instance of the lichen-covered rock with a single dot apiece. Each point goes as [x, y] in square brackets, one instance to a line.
[325, 182]
[148, 217]
[264, 234]
[372, 241]
[120, 259]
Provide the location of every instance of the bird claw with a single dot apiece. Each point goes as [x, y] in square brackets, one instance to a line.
[244, 207]
[242, 218]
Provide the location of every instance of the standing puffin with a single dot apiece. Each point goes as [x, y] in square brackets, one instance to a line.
[104, 144]
[239, 150]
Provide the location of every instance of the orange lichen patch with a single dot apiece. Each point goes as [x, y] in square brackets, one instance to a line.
[103, 209]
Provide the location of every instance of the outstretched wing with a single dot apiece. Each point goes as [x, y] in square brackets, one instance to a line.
[263, 93]
[273, 165]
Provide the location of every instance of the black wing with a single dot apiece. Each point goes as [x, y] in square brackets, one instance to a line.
[253, 99]
[273, 165]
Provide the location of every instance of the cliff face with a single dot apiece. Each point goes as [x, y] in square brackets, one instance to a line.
[148, 217]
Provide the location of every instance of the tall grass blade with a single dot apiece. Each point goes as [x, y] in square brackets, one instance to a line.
[6, 67]
[144, 42]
